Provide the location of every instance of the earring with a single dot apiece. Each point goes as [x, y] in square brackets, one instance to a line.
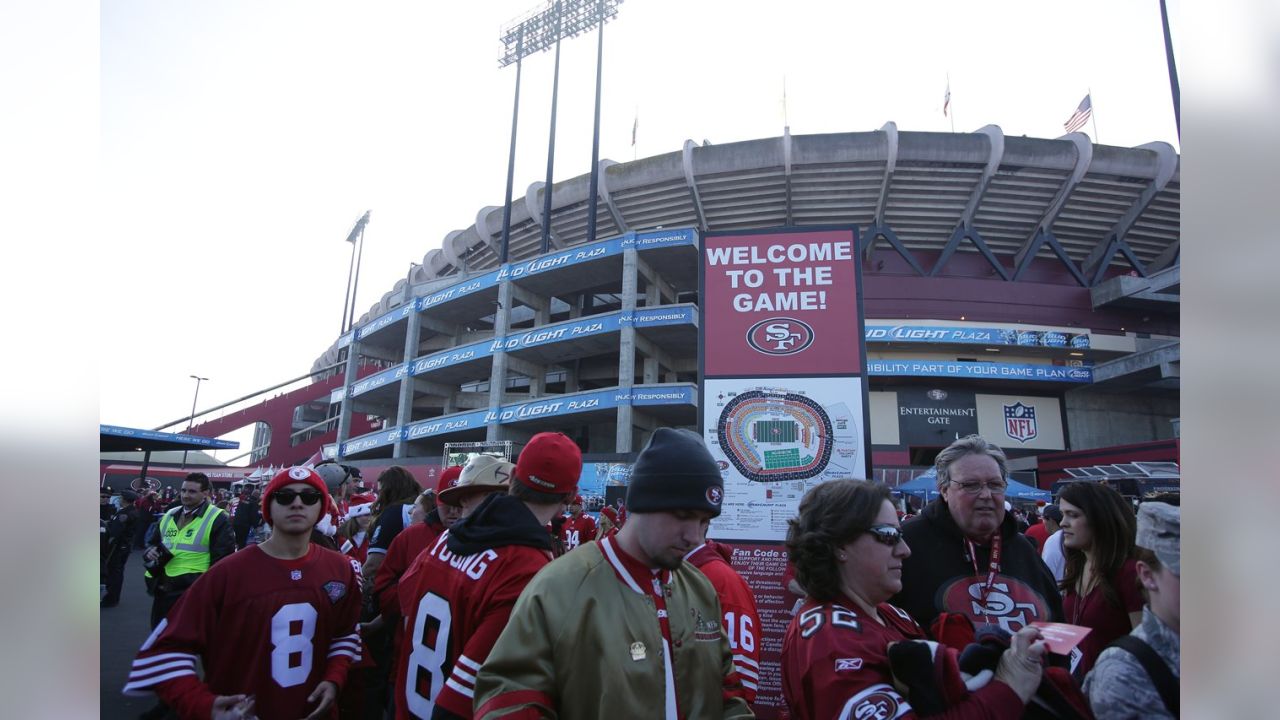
[843, 557]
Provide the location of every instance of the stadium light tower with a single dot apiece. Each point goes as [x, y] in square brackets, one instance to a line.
[356, 236]
[538, 30]
[191, 423]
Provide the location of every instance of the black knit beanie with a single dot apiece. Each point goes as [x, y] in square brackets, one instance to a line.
[675, 472]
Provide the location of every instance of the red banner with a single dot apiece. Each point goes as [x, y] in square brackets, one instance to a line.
[781, 304]
[763, 567]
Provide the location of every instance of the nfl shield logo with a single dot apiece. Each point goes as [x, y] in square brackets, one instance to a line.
[1020, 422]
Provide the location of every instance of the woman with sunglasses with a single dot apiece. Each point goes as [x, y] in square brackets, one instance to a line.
[847, 550]
[273, 625]
[1100, 584]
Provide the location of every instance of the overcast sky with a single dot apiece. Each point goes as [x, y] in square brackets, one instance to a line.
[241, 140]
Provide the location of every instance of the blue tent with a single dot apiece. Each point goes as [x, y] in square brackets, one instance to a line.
[926, 486]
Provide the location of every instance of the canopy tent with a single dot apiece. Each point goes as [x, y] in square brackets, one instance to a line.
[926, 486]
[114, 438]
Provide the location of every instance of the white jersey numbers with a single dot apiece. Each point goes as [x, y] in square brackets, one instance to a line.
[429, 654]
[813, 618]
[740, 632]
[288, 645]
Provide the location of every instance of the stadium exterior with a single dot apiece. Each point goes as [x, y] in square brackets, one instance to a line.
[1023, 288]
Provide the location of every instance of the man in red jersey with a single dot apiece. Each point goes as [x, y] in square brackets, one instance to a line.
[579, 528]
[741, 620]
[274, 625]
[459, 593]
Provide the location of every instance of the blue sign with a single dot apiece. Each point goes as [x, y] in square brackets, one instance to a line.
[973, 335]
[445, 424]
[661, 238]
[119, 431]
[457, 290]
[377, 324]
[337, 394]
[980, 370]
[564, 258]
[375, 381]
[664, 395]
[460, 354]
[653, 317]
[373, 440]
[559, 332]
[346, 339]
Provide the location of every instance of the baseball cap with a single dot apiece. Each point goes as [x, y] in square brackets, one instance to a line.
[1160, 531]
[448, 478]
[550, 463]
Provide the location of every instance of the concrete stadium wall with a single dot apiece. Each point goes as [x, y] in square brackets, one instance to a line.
[1100, 419]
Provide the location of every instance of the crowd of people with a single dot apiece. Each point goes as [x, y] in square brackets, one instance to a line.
[494, 595]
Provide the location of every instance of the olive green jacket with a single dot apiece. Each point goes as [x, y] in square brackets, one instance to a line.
[585, 643]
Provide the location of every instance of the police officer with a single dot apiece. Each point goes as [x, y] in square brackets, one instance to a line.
[193, 535]
[119, 540]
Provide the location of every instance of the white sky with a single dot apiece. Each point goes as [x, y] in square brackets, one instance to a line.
[242, 139]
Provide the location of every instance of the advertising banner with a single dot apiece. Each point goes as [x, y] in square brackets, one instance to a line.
[980, 370]
[780, 304]
[973, 335]
[1020, 421]
[783, 399]
[934, 416]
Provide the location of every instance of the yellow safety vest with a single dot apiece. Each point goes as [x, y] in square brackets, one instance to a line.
[190, 544]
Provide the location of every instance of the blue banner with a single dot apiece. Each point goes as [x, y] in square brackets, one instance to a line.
[377, 324]
[551, 261]
[445, 424]
[661, 238]
[377, 380]
[373, 440]
[457, 290]
[675, 315]
[980, 370]
[460, 354]
[974, 335]
[346, 339]
[119, 431]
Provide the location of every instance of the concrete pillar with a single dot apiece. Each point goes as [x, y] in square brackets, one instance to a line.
[404, 408]
[650, 370]
[627, 349]
[571, 376]
[349, 379]
[498, 376]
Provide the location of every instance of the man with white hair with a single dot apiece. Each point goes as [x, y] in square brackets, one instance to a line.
[968, 559]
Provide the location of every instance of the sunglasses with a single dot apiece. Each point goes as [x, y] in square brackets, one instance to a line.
[286, 497]
[889, 535]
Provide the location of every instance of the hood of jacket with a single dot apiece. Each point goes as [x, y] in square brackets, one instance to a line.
[500, 520]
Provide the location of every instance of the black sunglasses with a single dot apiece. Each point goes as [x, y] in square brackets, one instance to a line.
[285, 497]
[889, 535]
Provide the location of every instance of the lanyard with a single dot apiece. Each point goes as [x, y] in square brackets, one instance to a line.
[992, 571]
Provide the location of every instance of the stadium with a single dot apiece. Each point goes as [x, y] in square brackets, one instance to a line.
[1023, 288]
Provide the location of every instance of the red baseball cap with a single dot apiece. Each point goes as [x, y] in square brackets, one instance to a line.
[550, 463]
[448, 478]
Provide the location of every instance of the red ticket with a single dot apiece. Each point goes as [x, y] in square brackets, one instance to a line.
[1061, 637]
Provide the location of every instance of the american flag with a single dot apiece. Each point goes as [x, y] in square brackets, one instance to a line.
[946, 99]
[1080, 116]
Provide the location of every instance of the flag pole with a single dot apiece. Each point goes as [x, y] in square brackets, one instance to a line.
[1093, 115]
[952, 113]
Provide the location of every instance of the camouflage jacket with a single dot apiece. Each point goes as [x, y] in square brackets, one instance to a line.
[1118, 687]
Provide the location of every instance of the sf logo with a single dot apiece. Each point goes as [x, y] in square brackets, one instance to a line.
[780, 336]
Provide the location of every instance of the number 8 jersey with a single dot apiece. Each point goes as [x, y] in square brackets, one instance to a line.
[262, 626]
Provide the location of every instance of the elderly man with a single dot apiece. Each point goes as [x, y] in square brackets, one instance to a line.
[1137, 677]
[967, 557]
[623, 627]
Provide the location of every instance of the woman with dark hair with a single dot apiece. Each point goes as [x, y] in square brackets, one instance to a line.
[847, 550]
[1100, 583]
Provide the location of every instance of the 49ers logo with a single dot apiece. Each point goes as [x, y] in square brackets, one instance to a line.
[1011, 603]
[780, 336]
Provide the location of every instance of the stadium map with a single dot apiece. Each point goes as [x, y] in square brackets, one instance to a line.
[775, 442]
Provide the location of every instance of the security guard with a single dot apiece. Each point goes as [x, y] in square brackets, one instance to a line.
[192, 536]
[119, 541]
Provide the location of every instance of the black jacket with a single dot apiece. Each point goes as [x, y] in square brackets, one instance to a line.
[939, 577]
[499, 521]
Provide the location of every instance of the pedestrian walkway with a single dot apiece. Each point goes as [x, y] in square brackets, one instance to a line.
[122, 631]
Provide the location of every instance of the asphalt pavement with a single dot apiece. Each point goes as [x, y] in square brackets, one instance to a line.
[122, 631]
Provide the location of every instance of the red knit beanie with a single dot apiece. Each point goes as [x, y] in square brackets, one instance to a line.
[288, 476]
